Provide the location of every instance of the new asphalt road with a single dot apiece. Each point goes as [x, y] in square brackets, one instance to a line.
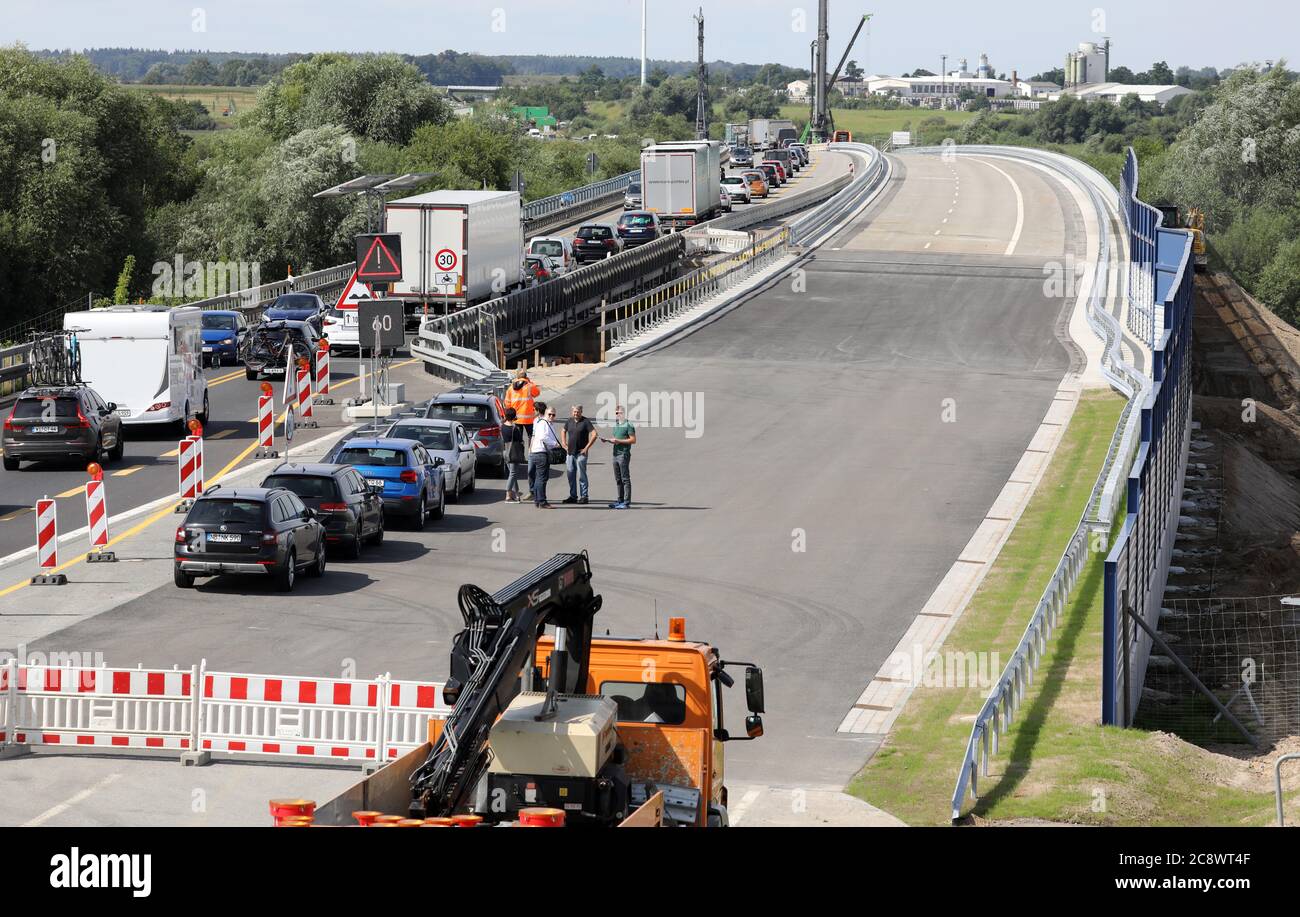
[809, 466]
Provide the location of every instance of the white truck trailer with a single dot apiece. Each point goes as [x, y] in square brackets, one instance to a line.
[459, 248]
[146, 359]
[681, 181]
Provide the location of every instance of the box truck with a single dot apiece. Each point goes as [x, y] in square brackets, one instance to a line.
[680, 181]
[148, 360]
[459, 248]
[760, 133]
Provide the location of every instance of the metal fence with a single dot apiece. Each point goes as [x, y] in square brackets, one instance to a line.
[1138, 566]
[623, 321]
[1141, 224]
[1003, 702]
[14, 370]
[564, 203]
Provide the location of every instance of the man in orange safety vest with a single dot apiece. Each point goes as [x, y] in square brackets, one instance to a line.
[521, 396]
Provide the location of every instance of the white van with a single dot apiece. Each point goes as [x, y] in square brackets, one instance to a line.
[147, 359]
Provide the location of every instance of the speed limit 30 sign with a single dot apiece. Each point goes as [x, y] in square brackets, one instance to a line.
[446, 260]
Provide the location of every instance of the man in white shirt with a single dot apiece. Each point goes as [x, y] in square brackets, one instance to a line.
[539, 460]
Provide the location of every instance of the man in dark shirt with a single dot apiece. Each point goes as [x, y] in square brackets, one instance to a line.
[578, 435]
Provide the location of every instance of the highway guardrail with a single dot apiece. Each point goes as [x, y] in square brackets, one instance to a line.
[1004, 700]
[622, 321]
[15, 370]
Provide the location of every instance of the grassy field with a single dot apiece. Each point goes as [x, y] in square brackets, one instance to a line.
[875, 122]
[214, 98]
[1056, 764]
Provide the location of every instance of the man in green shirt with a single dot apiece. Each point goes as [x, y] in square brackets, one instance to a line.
[623, 439]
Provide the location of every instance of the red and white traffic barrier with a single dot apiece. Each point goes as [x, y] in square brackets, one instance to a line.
[203, 713]
[266, 426]
[189, 469]
[97, 522]
[304, 417]
[323, 374]
[47, 544]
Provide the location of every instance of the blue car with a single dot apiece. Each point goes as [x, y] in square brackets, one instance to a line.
[298, 307]
[411, 481]
[223, 333]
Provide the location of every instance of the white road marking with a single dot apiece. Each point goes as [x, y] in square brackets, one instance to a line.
[737, 812]
[937, 231]
[928, 244]
[55, 811]
[1020, 208]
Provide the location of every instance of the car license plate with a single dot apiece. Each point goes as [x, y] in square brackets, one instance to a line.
[123, 412]
[376, 482]
[46, 429]
[223, 538]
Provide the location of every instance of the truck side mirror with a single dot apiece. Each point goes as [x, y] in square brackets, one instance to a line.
[753, 725]
[754, 694]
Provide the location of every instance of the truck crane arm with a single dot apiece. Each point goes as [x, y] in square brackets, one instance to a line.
[847, 51]
[487, 659]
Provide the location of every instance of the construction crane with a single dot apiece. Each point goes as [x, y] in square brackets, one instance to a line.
[829, 128]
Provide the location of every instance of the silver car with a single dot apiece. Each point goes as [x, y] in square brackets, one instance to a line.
[447, 440]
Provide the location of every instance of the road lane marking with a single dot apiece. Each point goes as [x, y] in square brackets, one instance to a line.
[72, 492]
[928, 244]
[55, 811]
[16, 513]
[125, 471]
[172, 454]
[1020, 209]
[222, 435]
[221, 380]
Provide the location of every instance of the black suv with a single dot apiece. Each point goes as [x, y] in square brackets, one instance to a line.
[266, 344]
[249, 530]
[59, 423]
[351, 511]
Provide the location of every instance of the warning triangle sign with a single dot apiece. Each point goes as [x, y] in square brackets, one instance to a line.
[381, 262]
[354, 294]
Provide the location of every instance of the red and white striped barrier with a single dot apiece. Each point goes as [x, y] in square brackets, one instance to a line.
[304, 417]
[100, 708]
[187, 468]
[323, 375]
[201, 713]
[47, 534]
[47, 544]
[265, 425]
[97, 521]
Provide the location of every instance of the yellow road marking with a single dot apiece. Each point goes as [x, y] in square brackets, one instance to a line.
[125, 471]
[172, 454]
[16, 513]
[221, 380]
[72, 492]
[222, 435]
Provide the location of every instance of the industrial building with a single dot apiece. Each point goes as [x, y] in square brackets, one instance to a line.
[1114, 92]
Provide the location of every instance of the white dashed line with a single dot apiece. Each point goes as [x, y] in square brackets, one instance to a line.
[56, 811]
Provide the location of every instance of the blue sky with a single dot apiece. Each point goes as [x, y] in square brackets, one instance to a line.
[1021, 34]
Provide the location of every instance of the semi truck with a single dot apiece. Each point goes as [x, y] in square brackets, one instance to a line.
[765, 133]
[609, 731]
[681, 180]
[459, 248]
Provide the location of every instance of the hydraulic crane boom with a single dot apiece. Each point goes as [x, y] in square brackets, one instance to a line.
[830, 84]
[487, 659]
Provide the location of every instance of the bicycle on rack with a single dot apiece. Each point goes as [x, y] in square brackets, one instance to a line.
[55, 357]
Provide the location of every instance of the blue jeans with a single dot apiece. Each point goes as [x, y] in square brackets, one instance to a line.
[539, 469]
[623, 476]
[576, 465]
[514, 471]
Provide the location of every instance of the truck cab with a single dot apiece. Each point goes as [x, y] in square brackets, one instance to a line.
[670, 699]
